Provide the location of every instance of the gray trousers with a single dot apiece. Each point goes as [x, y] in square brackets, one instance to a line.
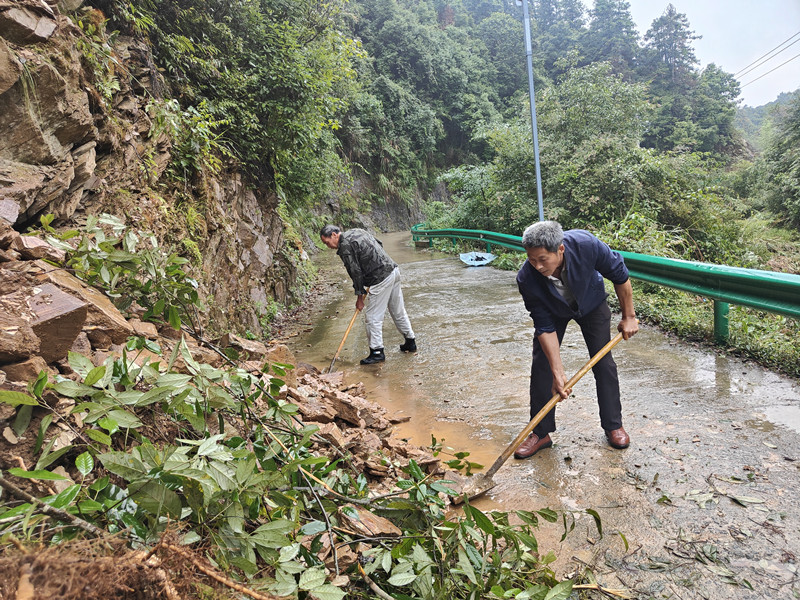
[383, 295]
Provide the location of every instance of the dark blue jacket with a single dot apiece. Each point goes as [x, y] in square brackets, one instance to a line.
[586, 261]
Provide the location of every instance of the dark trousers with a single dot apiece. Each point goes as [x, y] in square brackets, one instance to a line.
[595, 328]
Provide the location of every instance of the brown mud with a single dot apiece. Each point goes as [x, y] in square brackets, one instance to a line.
[703, 504]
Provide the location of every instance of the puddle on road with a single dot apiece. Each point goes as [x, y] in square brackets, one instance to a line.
[692, 414]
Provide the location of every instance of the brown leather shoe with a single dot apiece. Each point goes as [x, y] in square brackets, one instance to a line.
[617, 438]
[532, 445]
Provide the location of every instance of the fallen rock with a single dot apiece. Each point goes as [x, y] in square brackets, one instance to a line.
[27, 22]
[357, 411]
[367, 524]
[57, 321]
[251, 349]
[312, 407]
[334, 435]
[144, 329]
[17, 339]
[31, 247]
[103, 316]
[25, 371]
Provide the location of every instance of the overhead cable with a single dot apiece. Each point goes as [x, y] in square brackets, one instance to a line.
[770, 57]
[770, 71]
[764, 56]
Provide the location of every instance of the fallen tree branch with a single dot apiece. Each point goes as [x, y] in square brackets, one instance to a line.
[48, 510]
[374, 586]
[603, 590]
[216, 576]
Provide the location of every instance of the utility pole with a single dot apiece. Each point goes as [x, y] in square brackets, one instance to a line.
[529, 56]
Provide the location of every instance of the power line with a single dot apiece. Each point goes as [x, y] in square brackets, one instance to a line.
[766, 54]
[770, 57]
[770, 71]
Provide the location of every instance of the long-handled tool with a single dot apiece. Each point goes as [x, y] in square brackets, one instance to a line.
[349, 327]
[483, 482]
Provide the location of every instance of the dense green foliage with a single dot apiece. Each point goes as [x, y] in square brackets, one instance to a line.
[272, 78]
[308, 95]
[217, 457]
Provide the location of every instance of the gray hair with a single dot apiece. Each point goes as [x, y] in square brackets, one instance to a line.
[544, 234]
[328, 231]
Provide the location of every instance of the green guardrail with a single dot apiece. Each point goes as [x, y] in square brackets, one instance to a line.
[762, 290]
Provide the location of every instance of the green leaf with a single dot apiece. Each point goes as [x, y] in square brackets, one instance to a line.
[289, 553]
[529, 517]
[624, 540]
[597, 520]
[313, 527]
[95, 375]
[110, 425]
[327, 592]
[125, 465]
[530, 541]
[84, 463]
[22, 420]
[285, 584]
[45, 475]
[158, 499]
[273, 534]
[49, 459]
[125, 419]
[71, 389]
[174, 318]
[40, 384]
[401, 579]
[17, 398]
[100, 484]
[415, 471]
[80, 364]
[386, 562]
[46, 421]
[312, 578]
[465, 566]
[481, 520]
[98, 436]
[174, 380]
[561, 591]
[548, 515]
[66, 497]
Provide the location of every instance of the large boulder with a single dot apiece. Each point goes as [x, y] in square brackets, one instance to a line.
[58, 318]
[102, 316]
[26, 21]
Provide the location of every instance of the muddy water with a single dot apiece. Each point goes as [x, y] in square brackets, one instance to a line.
[705, 430]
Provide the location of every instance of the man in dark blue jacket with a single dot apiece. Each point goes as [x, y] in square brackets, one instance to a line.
[563, 280]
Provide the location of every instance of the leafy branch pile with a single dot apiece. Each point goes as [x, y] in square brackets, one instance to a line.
[166, 445]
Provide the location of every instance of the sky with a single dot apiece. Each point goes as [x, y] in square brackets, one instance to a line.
[735, 34]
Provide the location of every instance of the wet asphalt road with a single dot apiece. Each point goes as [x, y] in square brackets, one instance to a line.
[703, 504]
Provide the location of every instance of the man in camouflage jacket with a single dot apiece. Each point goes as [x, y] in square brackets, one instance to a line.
[373, 272]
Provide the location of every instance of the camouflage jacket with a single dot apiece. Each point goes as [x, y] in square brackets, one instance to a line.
[364, 258]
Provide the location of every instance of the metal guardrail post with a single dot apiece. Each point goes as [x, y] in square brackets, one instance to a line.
[721, 330]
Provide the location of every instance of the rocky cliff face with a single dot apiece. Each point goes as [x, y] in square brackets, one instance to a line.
[76, 139]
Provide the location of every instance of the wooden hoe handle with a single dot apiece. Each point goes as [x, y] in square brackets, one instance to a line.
[549, 406]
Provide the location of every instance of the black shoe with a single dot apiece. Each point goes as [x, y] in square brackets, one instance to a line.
[409, 346]
[375, 356]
